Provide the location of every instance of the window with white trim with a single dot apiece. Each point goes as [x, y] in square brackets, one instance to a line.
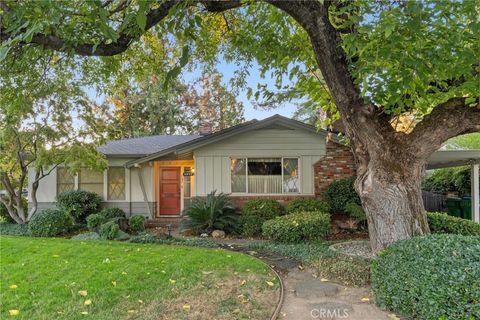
[264, 175]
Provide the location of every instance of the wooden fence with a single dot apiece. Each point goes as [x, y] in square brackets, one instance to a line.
[434, 201]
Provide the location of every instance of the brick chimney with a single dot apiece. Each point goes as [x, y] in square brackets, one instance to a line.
[205, 128]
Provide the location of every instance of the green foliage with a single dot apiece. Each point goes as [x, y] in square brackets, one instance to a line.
[256, 212]
[432, 277]
[448, 179]
[215, 212]
[94, 221]
[136, 223]
[86, 236]
[110, 213]
[13, 229]
[109, 230]
[79, 204]
[355, 210]
[348, 270]
[466, 141]
[440, 222]
[49, 223]
[5, 216]
[296, 227]
[307, 204]
[340, 193]
[195, 242]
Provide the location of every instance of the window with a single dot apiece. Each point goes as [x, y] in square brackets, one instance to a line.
[116, 183]
[264, 175]
[91, 180]
[65, 181]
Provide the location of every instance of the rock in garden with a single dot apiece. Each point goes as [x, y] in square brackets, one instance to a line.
[218, 234]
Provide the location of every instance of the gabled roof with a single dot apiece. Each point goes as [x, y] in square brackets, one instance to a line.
[140, 147]
[202, 141]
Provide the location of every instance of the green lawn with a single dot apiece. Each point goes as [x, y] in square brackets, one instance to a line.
[48, 279]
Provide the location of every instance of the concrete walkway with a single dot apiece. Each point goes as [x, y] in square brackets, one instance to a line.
[306, 297]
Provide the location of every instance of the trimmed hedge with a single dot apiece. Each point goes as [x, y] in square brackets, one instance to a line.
[109, 230]
[136, 223]
[307, 204]
[256, 212]
[430, 277]
[297, 227]
[440, 222]
[110, 213]
[49, 223]
[355, 211]
[79, 204]
[340, 193]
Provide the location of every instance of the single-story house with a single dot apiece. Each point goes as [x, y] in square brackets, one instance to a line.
[158, 176]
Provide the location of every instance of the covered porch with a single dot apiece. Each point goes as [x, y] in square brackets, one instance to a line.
[455, 158]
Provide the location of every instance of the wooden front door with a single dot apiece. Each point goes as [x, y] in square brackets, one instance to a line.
[169, 193]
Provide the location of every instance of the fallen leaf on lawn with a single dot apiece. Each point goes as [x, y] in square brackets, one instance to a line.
[84, 312]
[14, 312]
[236, 311]
[114, 283]
[13, 286]
[56, 256]
[87, 302]
[235, 273]
[83, 293]
[131, 311]
[106, 260]
[163, 271]
[229, 256]
[186, 307]
[172, 281]
[393, 317]
[207, 272]
[243, 282]
[124, 273]
[220, 284]
[323, 279]
[365, 300]
[141, 301]
[271, 284]
[300, 267]
[243, 299]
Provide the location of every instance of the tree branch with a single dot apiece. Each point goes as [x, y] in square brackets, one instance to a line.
[447, 120]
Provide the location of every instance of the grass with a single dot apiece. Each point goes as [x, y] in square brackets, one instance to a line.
[47, 278]
[332, 265]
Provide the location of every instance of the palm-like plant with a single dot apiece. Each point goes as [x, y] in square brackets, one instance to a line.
[206, 215]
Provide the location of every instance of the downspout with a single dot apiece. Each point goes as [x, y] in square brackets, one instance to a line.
[142, 186]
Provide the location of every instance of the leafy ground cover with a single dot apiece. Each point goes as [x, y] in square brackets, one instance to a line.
[45, 278]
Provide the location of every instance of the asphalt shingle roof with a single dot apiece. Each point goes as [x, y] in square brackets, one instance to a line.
[145, 145]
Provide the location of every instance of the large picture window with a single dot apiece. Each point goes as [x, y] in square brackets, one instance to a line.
[264, 175]
[91, 180]
[116, 183]
[65, 181]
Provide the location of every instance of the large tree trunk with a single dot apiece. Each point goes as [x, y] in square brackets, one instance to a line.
[389, 188]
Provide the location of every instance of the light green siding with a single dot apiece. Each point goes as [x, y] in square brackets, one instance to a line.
[212, 162]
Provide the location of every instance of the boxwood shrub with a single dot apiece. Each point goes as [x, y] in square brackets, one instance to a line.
[356, 211]
[109, 230]
[430, 277]
[49, 223]
[256, 212]
[340, 193]
[307, 204]
[94, 221]
[440, 222]
[296, 227]
[136, 223]
[110, 213]
[79, 204]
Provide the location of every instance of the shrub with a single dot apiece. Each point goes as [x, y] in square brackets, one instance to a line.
[256, 212]
[5, 216]
[49, 223]
[308, 204]
[13, 229]
[196, 242]
[109, 230]
[297, 227]
[430, 277]
[356, 211]
[448, 179]
[79, 204]
[94, 221]
[340, 193]
[442, 223]
[215, 212]
[86, 236]
[350, 271]
[111, 213]
[136, 223]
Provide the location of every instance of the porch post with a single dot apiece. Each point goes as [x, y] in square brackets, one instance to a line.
[475, 192]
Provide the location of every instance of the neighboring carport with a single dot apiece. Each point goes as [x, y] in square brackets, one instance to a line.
[455, 158]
